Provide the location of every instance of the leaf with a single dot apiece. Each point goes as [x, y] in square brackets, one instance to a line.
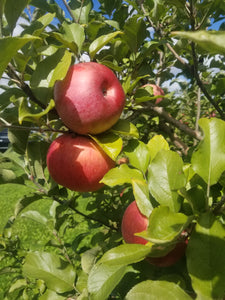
[101, 41]
[138, 154]
[24, 202]
[156, 144]
[35, 216]
[135, 32]
[37, 27]
[205, 257]
[211, 41]
[58, 275]
[209, 159]
[125, 254]
[103, 279]
[142, 197]
[164, 225]
[166, 177]
[80, 10]
[51, 295]
[47, 72]
[153, 290]
[26, 115]
[74, 33]
[18, 140]
[12, 11]
[196, 196]
[88, 259]
[9, 47]
[110, 143]
[144, 94]
[126, 128]
[121, 175]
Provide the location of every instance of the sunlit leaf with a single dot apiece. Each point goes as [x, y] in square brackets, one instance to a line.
[209, 159]
[156, 144]
[26, 115]
[142, 197]
[103, 279]
[35, 216]
[125, 254]
[166, 177]
[58, 275]
[121, 175]
[110, 143]
[211, 41]
[101, 41]
[152, 290]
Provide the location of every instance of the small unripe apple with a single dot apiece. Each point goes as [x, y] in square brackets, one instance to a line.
[157, 91]
[134, 222]
[78, 163]
[90, 99]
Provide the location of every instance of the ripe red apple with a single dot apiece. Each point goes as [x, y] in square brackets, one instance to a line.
[157, 91]
[78, 163]
[133, 222]
[90, 99]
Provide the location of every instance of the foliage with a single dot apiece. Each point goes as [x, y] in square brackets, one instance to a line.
[59, 244]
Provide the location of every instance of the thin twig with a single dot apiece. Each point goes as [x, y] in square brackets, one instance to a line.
[70, 11]
[21, 84]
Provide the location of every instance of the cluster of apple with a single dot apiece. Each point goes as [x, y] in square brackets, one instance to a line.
[89, 101]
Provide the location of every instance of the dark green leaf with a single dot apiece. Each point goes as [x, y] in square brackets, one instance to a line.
[12, 11]
[205, 257]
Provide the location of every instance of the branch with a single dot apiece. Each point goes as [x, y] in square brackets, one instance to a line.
[69, 10]
[21, 84]
[162, 113]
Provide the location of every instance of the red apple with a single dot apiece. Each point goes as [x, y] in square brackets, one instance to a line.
[157, 91]
[78, 163]
[133, 222]
[90, 99]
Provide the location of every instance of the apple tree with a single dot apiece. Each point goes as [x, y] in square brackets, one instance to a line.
[166, 151]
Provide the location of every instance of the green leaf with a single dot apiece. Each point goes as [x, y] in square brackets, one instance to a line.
[80, 10]
[74, 33]
[110, 143]
[12, 11]
[135, 32]
[58, 275]
[51, 295]
[103, 279]
[24, 202]
[164, 225]
[48, 71]
[144, 94]
[101, 41]
[153, 290]
[25, 113]
[205, 257]
[156, 144]
[121, 175]
[209, 159]
[35, 216]
[18, 140]
[9, 47]
[211, 41]
[138, 154]
[142, 197]
[125, 254]
[166, 177]
[126, 128]
[88, 259]
[196, 197]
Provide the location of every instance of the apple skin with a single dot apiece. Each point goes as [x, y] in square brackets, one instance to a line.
[90, 99]
[78, 163]
[156, 91]
[133, 222]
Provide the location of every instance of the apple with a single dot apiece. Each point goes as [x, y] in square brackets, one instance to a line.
[157, 91]
[90, 99]
[133, 222]
[78, 163]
